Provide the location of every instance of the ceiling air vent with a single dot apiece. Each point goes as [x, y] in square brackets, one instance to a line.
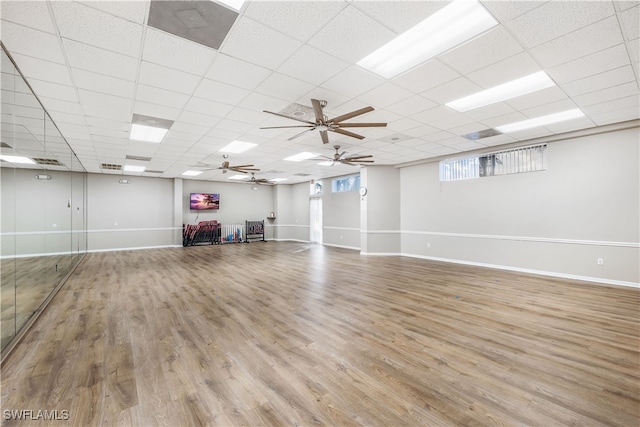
[141, 158]
[152, 171]
[48, 162]
[486, 133]
[111, 167]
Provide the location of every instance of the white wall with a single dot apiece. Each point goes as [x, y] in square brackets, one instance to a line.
[292, 212]
[559, 221]
[380, 210]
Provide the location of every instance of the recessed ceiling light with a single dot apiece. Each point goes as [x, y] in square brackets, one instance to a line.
[452, 25]
[541, 121]
[147, 133]
[17, 159]
[237, 147]
[238, 177]
[192, 173]
[301, 156]
[132, 168]
[522, 86]
[277, 179]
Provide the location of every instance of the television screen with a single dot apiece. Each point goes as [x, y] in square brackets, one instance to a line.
[202, 201]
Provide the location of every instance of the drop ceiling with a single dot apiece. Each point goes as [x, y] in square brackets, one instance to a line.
[96, 64]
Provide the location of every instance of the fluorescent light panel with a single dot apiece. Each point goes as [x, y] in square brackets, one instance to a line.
[237, 147]
[452, 25]
[277, 179]
[192, 173]
[301, 156]
[522, 86]
[133, 168]
[233, 4]
[147, 133]
[17, 159]
[541, 121]
[238, 177]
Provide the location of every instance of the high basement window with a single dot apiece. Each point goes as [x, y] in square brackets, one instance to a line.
[517, 160]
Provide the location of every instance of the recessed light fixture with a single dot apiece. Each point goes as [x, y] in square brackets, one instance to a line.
[124, 181]
[522, 86]
[301, 156]
[149, 129]
[452, 25]
[147, 133]
[277, 179]
[238, 177]
[541, 121]
[17, 159]
[237, 147]
[192, 173]
[43, 177]
[133, 168]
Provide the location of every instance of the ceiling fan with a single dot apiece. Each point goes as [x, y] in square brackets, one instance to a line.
[225, 167]
[261, 181]
[339, 157]
[324, 124]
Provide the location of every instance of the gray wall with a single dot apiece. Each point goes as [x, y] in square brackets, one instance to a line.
[559, 221]
[128, 216]
[340, 217]
[292, 212]
[380, 210]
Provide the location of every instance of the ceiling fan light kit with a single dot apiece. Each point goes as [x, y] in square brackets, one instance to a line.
[324, 125]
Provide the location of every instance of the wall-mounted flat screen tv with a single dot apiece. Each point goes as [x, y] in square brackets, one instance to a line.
[204, 201]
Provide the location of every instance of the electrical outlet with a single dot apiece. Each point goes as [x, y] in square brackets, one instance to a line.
[600, 261]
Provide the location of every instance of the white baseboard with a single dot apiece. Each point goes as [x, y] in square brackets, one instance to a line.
[139, 248]
[341, 246]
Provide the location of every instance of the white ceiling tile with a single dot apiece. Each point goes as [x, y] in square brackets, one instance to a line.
[399, 16]
[596, 63]
[280, 86]
[207, 107]
[167, 78]
[236, 72]
[25, 40]
[600, 81]
[97, 122]
[514, 67]
[506, 11]
[195, 131]
[105, 106]
[630, 23]
[53, 90]
[605, 118]
[101, 61]
[52, 104]
[312, 65]
[384, 95]
[220, 92]
[112, 133]
[625, 4]
[246, 116]
[198, 119]
[451, 90]
[549, 108]
[493, 110]
[253, 42]
[34, 14]
[81, 23]
[404, 124]
[135, 11]
[426, 76]
[434, 115]
[352, 82]
[299, 20]
[351, 35]
[621, 91]
[632, 101]
[585, 41]
[34, 68]
[571, 125]
[177, 53]
[102, 83]
[489, 48]
[60, 117]
[412, 105]
[541, 97]
[155, 95]
[421, 131]
[556, 18]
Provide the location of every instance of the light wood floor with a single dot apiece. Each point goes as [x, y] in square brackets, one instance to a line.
[291, 334]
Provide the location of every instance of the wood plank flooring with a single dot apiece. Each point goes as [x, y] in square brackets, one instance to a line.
[282, 333]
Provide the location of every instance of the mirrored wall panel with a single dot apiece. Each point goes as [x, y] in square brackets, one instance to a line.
[43, 215]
